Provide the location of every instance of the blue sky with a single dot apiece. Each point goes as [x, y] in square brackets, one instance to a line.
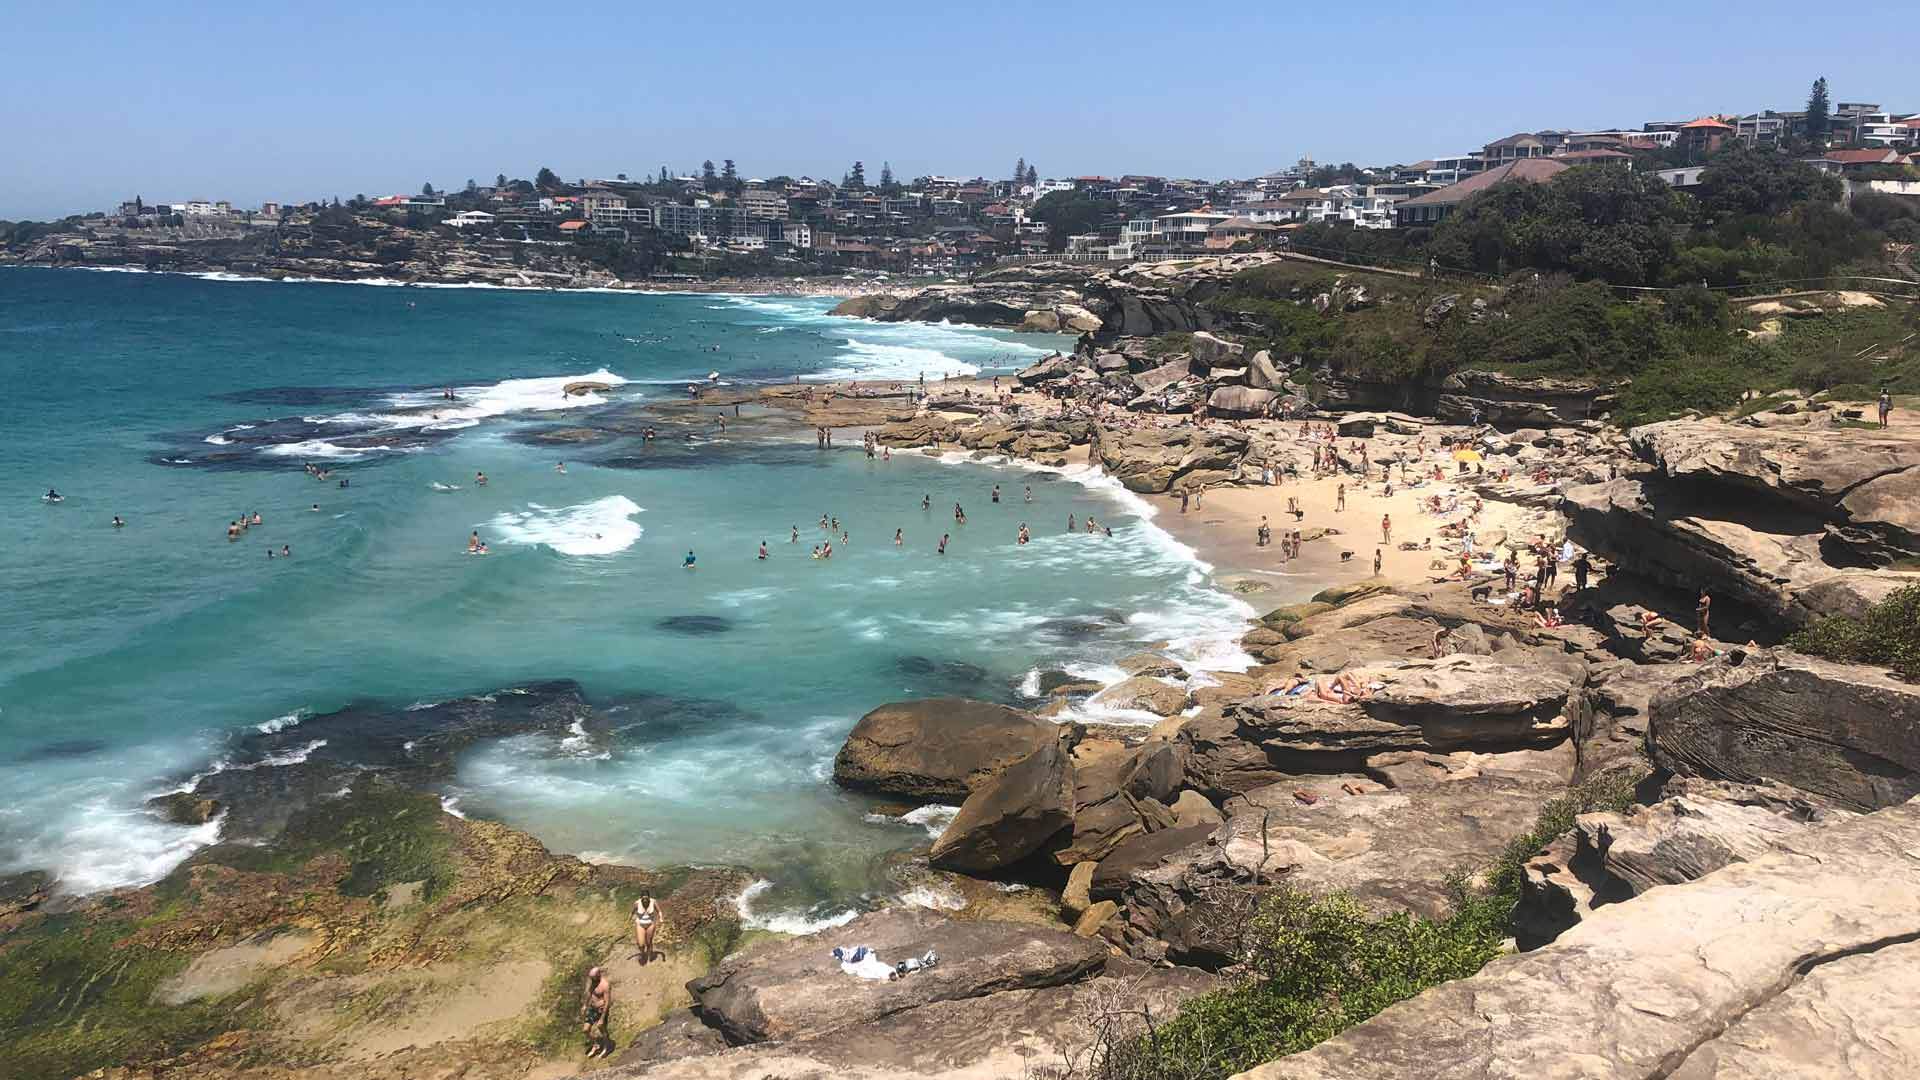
[251, 101]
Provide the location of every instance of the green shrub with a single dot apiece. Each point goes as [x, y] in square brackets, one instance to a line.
[1889, 635]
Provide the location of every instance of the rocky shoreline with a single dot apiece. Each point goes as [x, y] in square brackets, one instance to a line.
[1772, 794]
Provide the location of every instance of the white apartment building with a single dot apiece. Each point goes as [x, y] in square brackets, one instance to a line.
[761, 203]
[798, 235]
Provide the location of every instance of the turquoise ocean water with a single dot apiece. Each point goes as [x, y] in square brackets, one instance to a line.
[130, 658]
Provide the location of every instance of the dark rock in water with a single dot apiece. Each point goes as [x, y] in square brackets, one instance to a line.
[184, 808]
[1051, 681]
[1073, 629]
[268, 776]
[655, 718]
[64, 748]
[946, 677]
[23, 892]
[695, 624]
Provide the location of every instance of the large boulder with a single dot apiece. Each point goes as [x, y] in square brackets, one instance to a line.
[795, 989]
[1010, 816]
[1781, 966]
[1215, 352]
[1242, 402]
[1788, 524]
[1866, 479]
[1264, 374]
[1697, 827]
[1154, 459]
[1514, 700]
[1841, 731]
[1057, 366]
[999, 1034]
[937, 748]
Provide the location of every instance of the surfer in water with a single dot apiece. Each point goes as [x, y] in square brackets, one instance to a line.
[473, 542]
[763, 551]
[688, 564]
[53, 496]
[117, 523]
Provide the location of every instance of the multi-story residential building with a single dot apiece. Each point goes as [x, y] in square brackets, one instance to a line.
[1452, 168]
[704, 222]
[592, 200]
[1681, 178]
[622, 215]
[1769, 128]
[763, 204]
[1704, 136]
[1521, 146]
[269, 209]
[798, 235]
[469, 219]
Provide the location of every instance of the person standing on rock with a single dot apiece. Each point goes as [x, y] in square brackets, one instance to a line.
[1886, 406]
[596, 1009]
[1702, 610]
[1582, 566]
[646, 924]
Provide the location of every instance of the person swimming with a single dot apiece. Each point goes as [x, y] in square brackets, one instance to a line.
[117, 523]
[688, 562]
[942, 549]
[926, 502]
[899, 537]
[795, 538]
[473, 541]
[559, 466]
[314, 508]
[286, 551]
[763, 551]
[256, 517]
[480, 479]
[53, 496]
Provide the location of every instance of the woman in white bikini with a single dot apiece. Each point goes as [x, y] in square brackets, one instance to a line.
[646, 923]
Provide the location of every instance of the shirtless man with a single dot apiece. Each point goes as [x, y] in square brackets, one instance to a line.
[473, 541]
[763, 551]
[480, 479]
[596, 1008]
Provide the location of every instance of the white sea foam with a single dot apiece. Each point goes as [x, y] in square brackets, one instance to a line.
[601, 527]
[938, 899]
[784, 922]
[218, 440]
[934, 818]
[281, 723]
[451, 804]
[109, 847]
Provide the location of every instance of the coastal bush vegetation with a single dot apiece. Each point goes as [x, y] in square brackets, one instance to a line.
[1888, 635]
[1317, 965]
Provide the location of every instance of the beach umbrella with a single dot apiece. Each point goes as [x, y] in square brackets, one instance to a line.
[1468, 456]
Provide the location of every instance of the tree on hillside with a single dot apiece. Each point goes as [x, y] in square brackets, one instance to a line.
[1744, 180]
[887, 186]
[1033, 175]
[708, 178]
[1819, 116]
[856, 177]
[1020, 170]
[546, 180]
[729, 177]
[1067, 213]
[1596, 221]
[664, 178]
[500, 181]
[427, 189]
[472, 185]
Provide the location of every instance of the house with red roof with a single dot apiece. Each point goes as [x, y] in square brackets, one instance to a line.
[1704, 136]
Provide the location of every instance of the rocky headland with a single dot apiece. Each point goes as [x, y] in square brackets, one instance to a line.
[1682, 848]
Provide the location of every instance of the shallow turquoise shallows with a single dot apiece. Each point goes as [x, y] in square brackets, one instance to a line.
[130, 656]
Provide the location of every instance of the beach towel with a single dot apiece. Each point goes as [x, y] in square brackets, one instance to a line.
[862, 962]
